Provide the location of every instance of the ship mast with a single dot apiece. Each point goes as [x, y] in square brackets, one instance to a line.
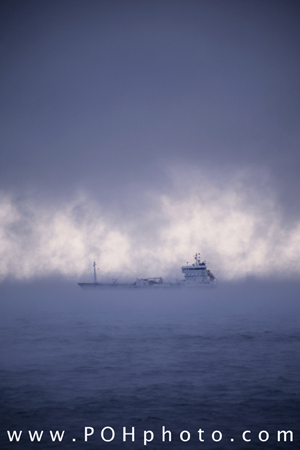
[95, 275]
[197, 259]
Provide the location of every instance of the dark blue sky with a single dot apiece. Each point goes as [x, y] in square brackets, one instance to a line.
[97, 89]
[110, 97]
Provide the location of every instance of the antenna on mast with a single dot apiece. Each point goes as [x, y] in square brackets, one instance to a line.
[95, 275]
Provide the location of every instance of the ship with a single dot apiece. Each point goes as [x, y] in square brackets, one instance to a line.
[196, 275]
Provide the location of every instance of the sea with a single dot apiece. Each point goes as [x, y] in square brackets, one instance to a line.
[148, 368]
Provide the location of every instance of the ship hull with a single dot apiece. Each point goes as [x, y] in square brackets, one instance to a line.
[91, 286]
[105, 285]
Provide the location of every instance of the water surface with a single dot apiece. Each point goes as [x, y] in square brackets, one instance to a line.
[224, 359]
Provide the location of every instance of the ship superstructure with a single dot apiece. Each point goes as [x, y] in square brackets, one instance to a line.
[195, 275]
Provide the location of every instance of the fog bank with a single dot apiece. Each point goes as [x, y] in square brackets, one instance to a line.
[236, 222]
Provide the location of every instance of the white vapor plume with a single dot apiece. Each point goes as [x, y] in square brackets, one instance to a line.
[235, 223]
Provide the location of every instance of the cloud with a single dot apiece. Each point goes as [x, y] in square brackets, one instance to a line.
[233, 219]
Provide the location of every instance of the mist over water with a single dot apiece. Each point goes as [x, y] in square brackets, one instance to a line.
[218, 359]
[235, 219]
